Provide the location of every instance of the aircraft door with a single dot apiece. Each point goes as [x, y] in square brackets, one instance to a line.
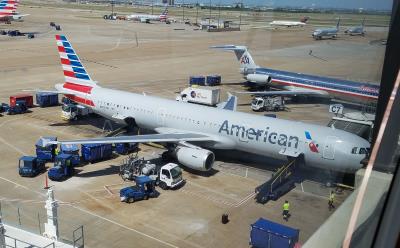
[329, 147]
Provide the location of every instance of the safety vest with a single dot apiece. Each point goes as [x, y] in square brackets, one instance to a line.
[332, 197]
[286, 206]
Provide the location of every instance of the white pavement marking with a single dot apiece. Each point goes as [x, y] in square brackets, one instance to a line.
[125, 227]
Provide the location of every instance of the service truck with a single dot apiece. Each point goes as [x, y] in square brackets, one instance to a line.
[168, 176]
[200, 95]
[71, 111]
[270, 103]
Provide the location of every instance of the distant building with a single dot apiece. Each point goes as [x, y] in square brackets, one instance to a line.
[170, 2]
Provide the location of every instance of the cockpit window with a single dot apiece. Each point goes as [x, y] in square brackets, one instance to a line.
[363, 151]
[354, 150]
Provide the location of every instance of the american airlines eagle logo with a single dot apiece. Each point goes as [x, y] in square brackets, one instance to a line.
[245, 60]
[313, 147]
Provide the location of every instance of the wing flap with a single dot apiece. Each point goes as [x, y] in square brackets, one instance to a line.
[170, 137]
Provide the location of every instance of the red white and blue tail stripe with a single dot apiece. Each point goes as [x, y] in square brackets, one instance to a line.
[78, 85]
[74, 71]
[8, 7]
[164, 15]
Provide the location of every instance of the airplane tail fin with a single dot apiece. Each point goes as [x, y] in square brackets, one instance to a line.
[363, 22]
[304, 19]
[242, 55]
[164, 14]
[8, 7]
[74, 72]
[338, 24]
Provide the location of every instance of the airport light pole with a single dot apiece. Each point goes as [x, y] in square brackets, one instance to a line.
[152, 5]
[209, 17]
[219, 12]
[183, 10]
[240, 14]
[197, 12]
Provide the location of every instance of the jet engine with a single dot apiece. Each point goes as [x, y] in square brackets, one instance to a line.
[258, 78]
[194, 158]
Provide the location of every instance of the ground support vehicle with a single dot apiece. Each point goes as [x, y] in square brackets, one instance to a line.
[46, 153]
[72, 112]
[168, 176]
[62, 169]
[72, 150]
[143, 190]
[30, 166]
[269, 103]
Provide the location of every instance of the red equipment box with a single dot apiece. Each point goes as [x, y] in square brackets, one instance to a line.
[22, 97]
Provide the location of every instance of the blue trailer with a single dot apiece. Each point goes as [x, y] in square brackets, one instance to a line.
[96, 152]
[268, 234]
[213, 80]
[197, 80]
[62, 169]
[144, 189]
[73, 150]
[30, 166]
[125, 148]
[46, 99]
[45, 153]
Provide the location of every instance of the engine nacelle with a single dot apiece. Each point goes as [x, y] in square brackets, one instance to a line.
[258, 78]
[196, 159]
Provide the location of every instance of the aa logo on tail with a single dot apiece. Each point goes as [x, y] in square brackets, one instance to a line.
[245, 60]
[313, 147]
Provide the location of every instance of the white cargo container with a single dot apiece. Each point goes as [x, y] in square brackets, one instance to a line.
[200, 95]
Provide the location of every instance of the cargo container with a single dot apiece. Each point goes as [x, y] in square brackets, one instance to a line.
[72, 150]
[45, 153]
[96, 152]
[200, 95]
[125, 148]
[197, 80]
[213, 80]
[268, 234]
[44, 99]
[28, 99]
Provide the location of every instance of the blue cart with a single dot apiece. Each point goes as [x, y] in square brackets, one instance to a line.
[268, 234]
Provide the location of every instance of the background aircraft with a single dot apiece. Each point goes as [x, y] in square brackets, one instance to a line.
[358, 30]
[288, 24]
[293, 83]
[143, 18]
[326, 32]
[189, 129]
[8, 11]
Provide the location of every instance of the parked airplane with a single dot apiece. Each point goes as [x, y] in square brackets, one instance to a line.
[320, 33]
[358, 30]
[293, 83]
[8, 11]
[146, 18]
[190, 128]
[288, 24]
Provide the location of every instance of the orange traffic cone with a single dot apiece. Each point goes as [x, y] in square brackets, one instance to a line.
[46, 183]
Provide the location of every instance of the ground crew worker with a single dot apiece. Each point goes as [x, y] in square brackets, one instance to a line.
[331, 200]
[285, 212]
[57, 151]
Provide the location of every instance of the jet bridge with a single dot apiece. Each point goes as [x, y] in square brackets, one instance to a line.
[281, 182]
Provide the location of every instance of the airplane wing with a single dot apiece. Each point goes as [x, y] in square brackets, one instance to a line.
[284, 92]
[50, 91]
[167, 137]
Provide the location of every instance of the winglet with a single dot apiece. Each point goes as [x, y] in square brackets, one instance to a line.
[230, 104]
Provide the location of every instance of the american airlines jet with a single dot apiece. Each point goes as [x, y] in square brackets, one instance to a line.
[293, 83]
[8, 12]
[193, 129]
[143, 18]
